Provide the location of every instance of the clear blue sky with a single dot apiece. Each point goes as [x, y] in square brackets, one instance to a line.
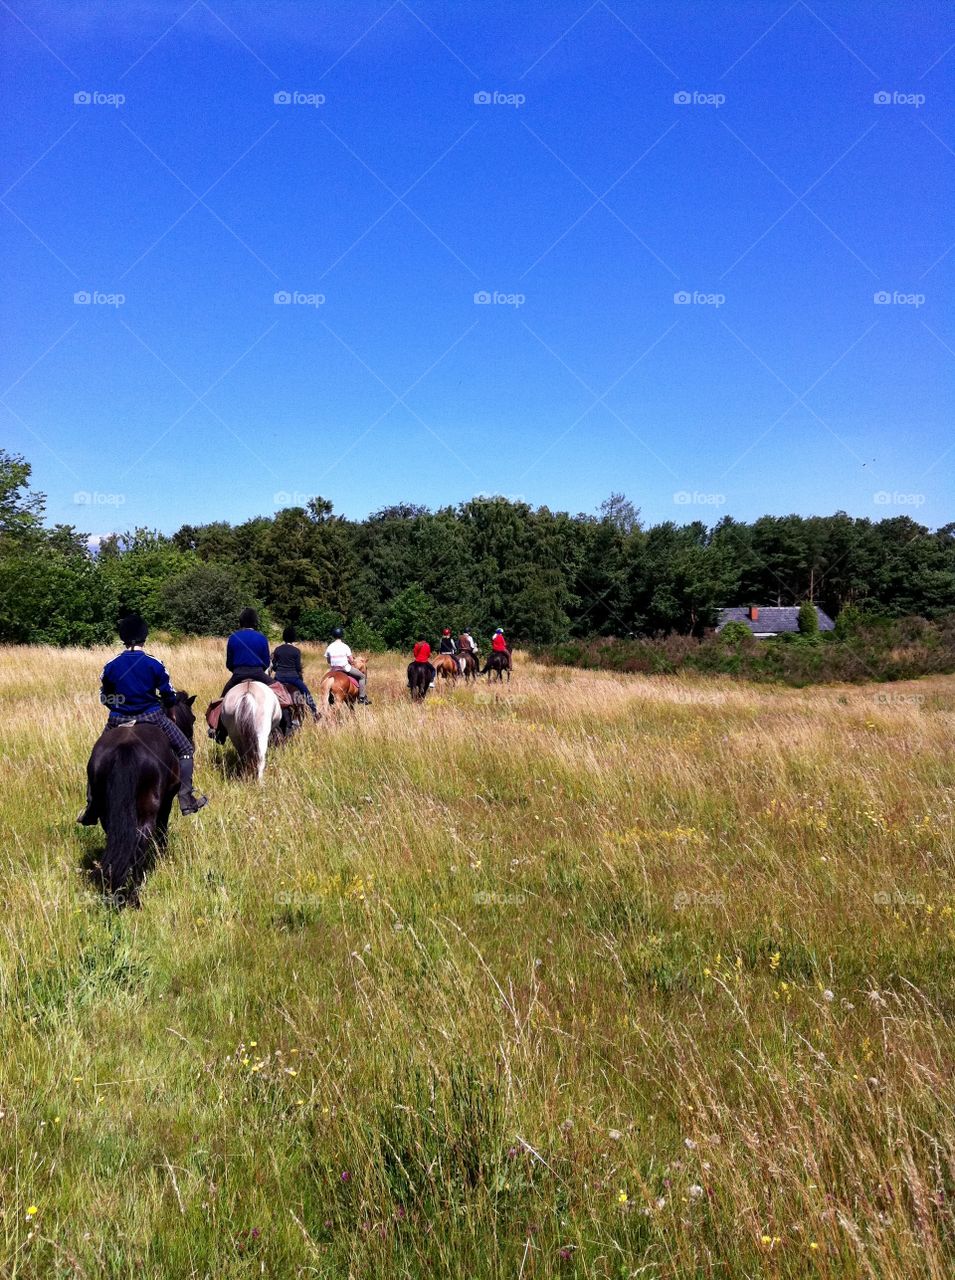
[797, 199]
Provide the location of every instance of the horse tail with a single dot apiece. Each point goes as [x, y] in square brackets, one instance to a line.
[246, 737]
[125, 839]
[326, 693]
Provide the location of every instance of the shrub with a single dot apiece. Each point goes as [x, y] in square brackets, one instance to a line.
[808, 619]
[205, 601]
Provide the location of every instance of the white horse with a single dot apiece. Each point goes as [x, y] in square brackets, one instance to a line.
[250, 712]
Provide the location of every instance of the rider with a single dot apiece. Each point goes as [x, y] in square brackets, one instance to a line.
[247, 657]
[498, 643]
[422, 653]
[339, 658]
[447, 643]
[136, 688]
[466, 643]
[287, 666]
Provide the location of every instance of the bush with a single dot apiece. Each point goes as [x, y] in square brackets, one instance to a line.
[205, 601]
[364, 638]
[411, 613]
[47, 597]
[883, 649]
[317, 624]
[808, 620]
[735, 635]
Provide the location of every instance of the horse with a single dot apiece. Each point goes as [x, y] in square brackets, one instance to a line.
[133, 775]
[419, 680]
[250, 712]
[467, 660]
[498, 661]
[446, 665]
[338, 687]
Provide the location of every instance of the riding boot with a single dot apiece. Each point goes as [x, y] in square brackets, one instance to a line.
[89, 817]
[285, 724]
[189, 802]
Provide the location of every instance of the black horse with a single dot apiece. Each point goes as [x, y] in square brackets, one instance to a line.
[133, 775]
[498, 661]
[420, 675]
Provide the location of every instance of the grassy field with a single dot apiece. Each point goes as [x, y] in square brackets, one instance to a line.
[593, 975]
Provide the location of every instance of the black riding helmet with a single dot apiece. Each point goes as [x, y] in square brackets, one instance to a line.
[337, 633]
[132, 630]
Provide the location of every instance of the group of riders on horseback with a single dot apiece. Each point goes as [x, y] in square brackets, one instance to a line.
[136, 689]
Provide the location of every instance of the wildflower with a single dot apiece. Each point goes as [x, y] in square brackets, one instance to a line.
[32, 1211]
[828, 995]
[622, 1197]
[774, 961]
[564, 1254]
[695, 1191]
[689, 1144]
[661, 1202]
[615, 1135]
[813, 1245]
[346, 1176]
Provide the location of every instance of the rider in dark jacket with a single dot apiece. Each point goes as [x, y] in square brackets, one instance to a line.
[136, 688]
[248, 658]
[287, 666]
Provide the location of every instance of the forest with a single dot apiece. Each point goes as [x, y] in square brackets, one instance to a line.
[546, 576]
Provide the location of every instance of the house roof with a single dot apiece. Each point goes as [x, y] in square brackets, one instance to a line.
[777, 619]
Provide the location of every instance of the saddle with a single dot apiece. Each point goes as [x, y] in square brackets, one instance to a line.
[337, 671]
[282, 692]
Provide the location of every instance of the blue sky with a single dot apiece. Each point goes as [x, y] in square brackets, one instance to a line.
[683, 215]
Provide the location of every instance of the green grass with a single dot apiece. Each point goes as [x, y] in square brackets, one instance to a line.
[590, 975]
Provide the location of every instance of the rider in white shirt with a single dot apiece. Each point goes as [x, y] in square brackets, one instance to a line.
[339, 657]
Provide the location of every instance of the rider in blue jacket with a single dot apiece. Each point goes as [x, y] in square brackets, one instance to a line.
[136, 688]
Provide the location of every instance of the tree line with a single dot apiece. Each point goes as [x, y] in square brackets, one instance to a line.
[545, 576]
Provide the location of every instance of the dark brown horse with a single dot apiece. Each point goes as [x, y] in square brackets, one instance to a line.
[467, 659]
[420, 675]
[133, 775]
[498, 661]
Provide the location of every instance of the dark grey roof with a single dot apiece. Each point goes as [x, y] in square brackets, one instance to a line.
[776, 618]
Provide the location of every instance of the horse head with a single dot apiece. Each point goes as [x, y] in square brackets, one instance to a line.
[360, 664]
[181, 712]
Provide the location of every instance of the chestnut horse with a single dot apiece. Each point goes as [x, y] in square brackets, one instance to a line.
[338, 688]
[446, 665]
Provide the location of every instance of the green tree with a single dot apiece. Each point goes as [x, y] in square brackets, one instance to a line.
[203, 601]
[808, 620]
[411, 613]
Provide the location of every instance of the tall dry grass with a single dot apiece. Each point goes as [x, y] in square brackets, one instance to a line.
[584, 976]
